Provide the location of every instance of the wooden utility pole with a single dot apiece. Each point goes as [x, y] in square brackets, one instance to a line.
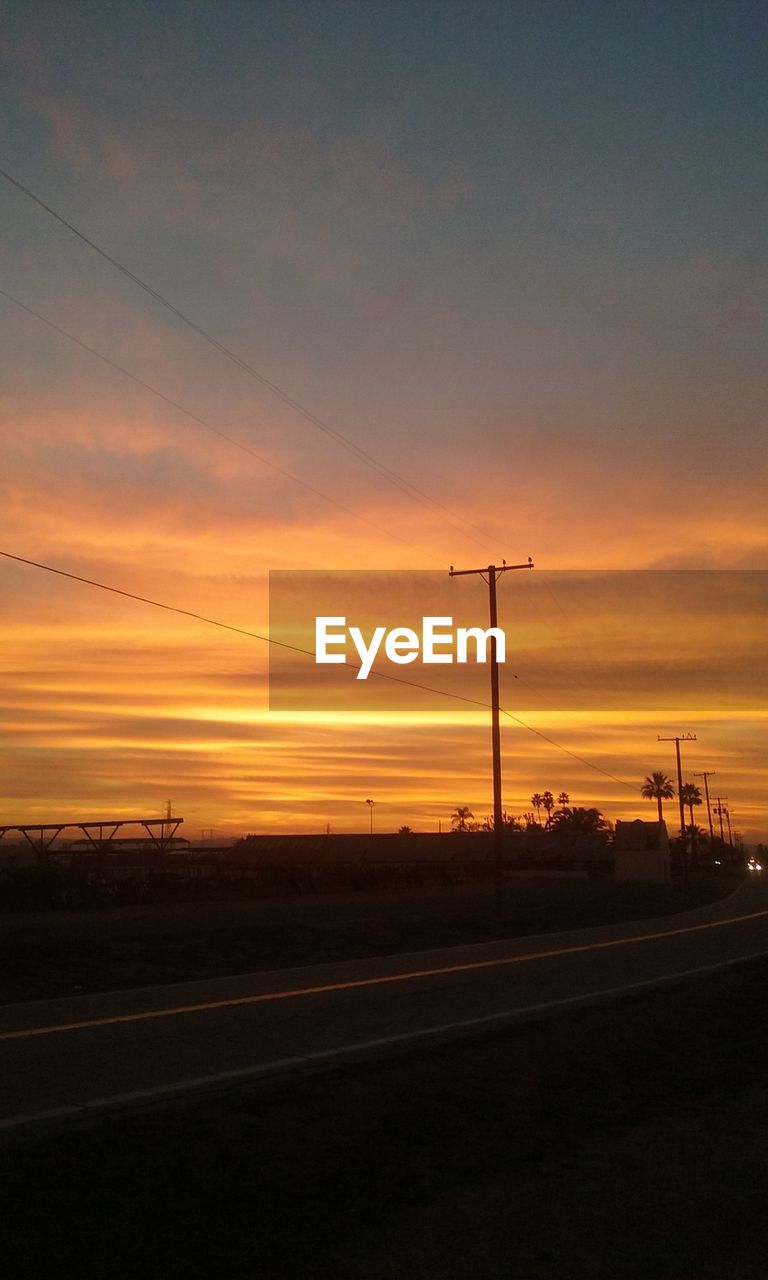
[728, 820]
[490, 575]
[682, 737]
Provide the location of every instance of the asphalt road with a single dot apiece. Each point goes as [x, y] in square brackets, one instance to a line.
[72, 1057]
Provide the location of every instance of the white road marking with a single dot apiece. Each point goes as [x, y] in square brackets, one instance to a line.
[168, 1091]
[293, 993]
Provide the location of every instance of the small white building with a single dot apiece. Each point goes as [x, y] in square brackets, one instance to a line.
[641, 852]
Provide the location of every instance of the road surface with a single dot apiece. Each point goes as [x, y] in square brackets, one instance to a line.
[71, 1057]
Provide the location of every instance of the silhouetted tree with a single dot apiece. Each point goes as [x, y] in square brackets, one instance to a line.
[405, 831]
[537, 801]
[462, 818]
[507, 821]
[658, 787]
[691, 795]
[563, 799]
[590, 822]
[548, 803]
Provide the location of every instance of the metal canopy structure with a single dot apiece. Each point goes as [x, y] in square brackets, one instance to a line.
[41, 835]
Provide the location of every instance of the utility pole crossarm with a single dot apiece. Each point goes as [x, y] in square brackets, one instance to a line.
[497, 568]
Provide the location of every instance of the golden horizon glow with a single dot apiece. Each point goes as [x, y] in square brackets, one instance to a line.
[120, 714]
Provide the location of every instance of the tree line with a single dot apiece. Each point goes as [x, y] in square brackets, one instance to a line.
[560, 816]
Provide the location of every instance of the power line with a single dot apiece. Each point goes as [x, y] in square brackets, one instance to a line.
[289, 475]
[228, 626]
[307, 414]
[282, 644]
[573, 754]
[238, 444]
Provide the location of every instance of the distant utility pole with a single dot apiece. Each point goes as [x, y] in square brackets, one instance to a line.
[682, 737]
[489, 575]
[720, 810]
[706, 774]
[723, 811]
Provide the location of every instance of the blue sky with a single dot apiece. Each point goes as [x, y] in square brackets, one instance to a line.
[531, 219]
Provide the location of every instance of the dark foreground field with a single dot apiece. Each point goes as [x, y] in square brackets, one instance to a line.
[625, 1142]
[63, 952]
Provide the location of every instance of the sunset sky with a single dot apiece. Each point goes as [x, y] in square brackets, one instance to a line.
[515, 252]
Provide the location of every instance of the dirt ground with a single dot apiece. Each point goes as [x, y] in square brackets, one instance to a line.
[620, 1142]
[62, 953]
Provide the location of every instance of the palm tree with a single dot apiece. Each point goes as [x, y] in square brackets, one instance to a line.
[690, 796]
[658, 787]
[461, 818]
[537, 801]
[548, 801]
[697, 836]
[583, 821]
[563, 799]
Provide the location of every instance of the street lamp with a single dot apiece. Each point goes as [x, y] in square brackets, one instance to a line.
[370, 806]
